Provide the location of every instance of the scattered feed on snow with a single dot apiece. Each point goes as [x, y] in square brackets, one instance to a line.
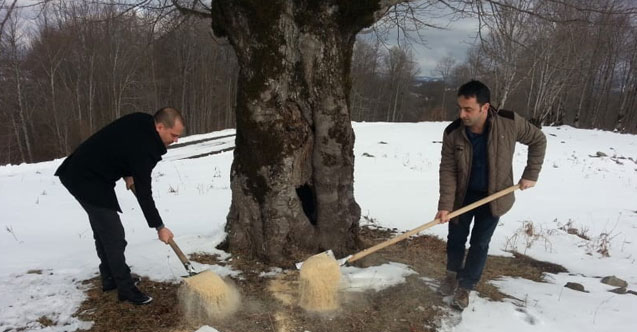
[409, 306]
[318, 283]
[205, 297]
[284, 287]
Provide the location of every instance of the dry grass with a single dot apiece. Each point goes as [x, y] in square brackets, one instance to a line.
[205, 258]
[570, 228]
[528, 235]
[405, 307]
[111, 315]
[520, 266]
[45, 321]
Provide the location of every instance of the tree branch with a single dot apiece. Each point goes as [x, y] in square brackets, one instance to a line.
[7, 16]
[192, 10]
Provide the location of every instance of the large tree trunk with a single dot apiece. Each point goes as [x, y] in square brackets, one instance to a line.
[292, 175]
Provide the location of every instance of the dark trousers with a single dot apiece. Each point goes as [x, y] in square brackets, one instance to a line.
[110, 243]
[483, 227]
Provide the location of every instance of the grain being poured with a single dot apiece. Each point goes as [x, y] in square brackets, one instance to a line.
[318, 283]
[206, 297]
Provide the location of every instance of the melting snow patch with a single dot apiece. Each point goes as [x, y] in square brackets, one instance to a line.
[374, 277]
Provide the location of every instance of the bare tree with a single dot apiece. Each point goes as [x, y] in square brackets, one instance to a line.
[400, 71]
[557, 61]
[628, 83]
[509, 33]
[6, 9]
[365, 74]
[444, 69]
[18, 113]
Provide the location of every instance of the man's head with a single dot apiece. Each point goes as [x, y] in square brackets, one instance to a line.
[169, 124]
[474, 100]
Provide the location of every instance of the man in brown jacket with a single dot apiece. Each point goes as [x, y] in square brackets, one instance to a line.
[477, 157]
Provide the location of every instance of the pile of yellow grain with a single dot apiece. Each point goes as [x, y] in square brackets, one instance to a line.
[318, 283]
[206, 297]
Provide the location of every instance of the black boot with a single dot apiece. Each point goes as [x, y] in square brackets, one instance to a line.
[108, 284]
[135, 296]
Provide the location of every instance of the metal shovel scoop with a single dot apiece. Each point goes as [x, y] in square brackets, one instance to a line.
[184, 260]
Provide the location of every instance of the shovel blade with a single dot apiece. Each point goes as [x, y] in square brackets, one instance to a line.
[191, 274]
[329, 253]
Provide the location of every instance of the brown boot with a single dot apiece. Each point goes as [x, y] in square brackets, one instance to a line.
[460, 299]
[449, 284]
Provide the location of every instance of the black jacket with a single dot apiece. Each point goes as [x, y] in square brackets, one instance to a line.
[130, 146]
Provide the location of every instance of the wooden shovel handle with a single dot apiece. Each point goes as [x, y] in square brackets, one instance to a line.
[432, 223]
[184, 260]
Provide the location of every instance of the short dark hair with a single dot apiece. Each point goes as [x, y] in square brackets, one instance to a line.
[167, 116]
[476, 89]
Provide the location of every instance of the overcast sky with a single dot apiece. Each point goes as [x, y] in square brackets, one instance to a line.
[454, 41]
[456, 34]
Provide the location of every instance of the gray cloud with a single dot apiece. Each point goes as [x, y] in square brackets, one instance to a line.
[454, 41]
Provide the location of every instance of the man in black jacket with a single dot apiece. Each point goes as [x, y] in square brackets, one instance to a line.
[128, 148]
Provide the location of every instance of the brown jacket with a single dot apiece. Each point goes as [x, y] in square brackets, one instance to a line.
[504, 130]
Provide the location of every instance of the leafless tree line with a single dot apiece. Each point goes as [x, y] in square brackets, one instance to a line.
[561, 65]
[555, 62]
[81, 65]
[383, 83]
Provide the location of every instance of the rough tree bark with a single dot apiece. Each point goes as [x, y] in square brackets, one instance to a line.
[292, 174]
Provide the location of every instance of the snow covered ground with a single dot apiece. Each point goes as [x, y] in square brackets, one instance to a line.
[46, 245]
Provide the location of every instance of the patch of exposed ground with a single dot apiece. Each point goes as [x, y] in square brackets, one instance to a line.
[270, 304]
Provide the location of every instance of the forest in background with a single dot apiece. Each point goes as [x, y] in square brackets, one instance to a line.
[80, 65]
